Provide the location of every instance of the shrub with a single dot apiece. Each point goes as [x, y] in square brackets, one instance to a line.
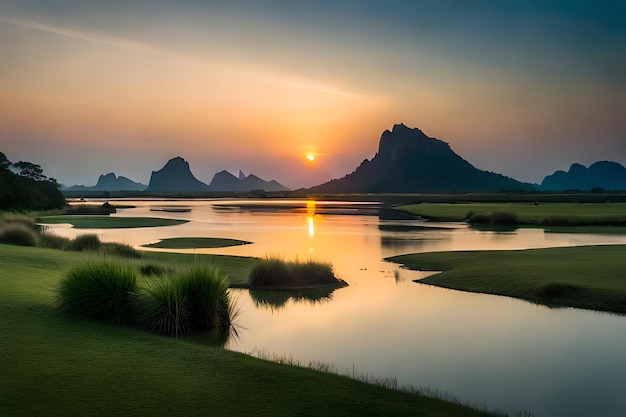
[84, 243]
[16, 218]
[104, 291]
[84, 209]
[120, 249]
[503, 217]
[18, 234]
[497, 217]
[196, 300]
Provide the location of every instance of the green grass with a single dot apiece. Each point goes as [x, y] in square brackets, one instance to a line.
[195, 242]
[526, 213]
[56, 366]
[589, 277]
[107, 222]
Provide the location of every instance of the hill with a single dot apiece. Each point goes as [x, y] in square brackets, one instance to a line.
[408, 161]
[225, 181]
[602, 174]
[175, 176]
[110, 182]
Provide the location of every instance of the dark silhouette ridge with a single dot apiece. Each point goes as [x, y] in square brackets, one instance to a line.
[225, 181]
[175, 176]
[110, 182]
[408, 161]
[605, 175]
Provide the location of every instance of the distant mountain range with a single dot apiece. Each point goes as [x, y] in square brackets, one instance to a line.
[225, 181]
[408, 161]
[110, 182]
[606, 175]
[176, 176]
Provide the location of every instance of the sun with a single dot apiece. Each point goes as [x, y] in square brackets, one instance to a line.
[310, 157]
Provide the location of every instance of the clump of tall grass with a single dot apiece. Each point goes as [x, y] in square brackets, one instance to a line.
[52, 241]
[197, 299]
[163, 308]
[84, 243]
[274, 272]
[17, 218]
[314, 272]
[104, 291]
[270, 272]
[18, 234]
[120, 249]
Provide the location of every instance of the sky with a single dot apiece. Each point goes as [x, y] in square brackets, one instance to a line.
[519, 87]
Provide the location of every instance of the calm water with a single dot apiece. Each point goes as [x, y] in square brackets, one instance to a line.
[507, 354]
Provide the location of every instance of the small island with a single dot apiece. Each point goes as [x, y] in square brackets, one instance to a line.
[195, 243]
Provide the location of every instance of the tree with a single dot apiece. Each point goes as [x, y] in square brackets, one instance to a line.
[4, 162]
[29, 170]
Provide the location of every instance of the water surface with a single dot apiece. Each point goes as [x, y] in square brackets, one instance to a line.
[482, 349]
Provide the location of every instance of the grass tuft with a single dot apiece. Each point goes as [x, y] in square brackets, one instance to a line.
[84, 243]
[163, 308]
[17, 218]
[18, 234]
[197, 299]
[121, 250]
[104, 291]
[51, 241]
[271, 272]
[274, 272]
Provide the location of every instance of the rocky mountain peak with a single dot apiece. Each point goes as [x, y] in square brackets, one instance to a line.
[175, 176]
[403, 141]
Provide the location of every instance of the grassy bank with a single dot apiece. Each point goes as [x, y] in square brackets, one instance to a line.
[526, 213]
[589, 277]
[56, 366]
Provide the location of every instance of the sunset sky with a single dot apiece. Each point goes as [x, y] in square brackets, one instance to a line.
[521, 88]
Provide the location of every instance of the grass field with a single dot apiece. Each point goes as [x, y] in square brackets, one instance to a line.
[56, 366]
[107, 222]
[195, 242]
[589, 277]
[527, 213]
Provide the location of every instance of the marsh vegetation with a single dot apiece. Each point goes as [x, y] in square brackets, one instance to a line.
[275, 273]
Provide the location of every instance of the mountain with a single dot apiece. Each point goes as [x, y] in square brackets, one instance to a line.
[607, 175]
[225, 181]
[175, 176]
[110, 182]
[408, 161]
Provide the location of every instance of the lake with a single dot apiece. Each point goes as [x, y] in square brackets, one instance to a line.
[485, 350]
